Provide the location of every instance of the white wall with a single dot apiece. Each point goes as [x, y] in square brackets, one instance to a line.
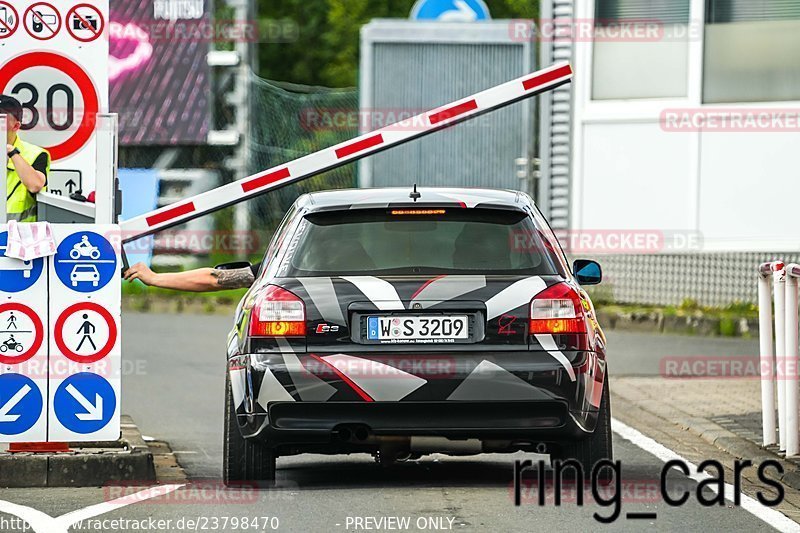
[738, 191]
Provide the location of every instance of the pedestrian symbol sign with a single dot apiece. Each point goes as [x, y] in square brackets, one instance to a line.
[85, 332]
[85, 261]
[20, 404]
[17, 275]
[85, 403]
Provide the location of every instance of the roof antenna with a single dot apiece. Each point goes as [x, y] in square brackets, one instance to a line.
[414, 194]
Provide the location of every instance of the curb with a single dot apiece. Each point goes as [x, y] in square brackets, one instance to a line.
[91, 464]
[731, 443]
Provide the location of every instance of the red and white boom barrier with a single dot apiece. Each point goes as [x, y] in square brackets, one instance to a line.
[347, 152]
[779, 360]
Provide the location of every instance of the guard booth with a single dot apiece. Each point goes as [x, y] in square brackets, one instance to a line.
[60, 346]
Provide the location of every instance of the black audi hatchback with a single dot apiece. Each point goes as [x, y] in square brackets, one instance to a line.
[399, 323]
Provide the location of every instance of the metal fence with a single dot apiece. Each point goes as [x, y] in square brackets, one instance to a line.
[710, 279]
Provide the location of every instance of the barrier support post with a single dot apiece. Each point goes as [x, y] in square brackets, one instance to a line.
[779, 290]
[792, 404]
[767, 355]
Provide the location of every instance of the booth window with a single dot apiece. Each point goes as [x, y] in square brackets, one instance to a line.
[641, 49]
[751, 51]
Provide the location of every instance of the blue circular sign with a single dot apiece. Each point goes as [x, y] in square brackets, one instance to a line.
[20, 404]
[450, 10]
[84, 403]
[85, 261]
[17, 275]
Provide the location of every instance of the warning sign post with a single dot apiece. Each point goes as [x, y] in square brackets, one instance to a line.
[85, 355]
[60, 347]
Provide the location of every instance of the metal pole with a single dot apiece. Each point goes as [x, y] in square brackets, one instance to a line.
[106, 159]
[4, 159]
[792, 429]
[767, 358]
[779, 289]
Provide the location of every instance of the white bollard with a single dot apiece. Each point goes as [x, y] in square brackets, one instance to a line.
[779, 290]
[790, 365]
[767, 356]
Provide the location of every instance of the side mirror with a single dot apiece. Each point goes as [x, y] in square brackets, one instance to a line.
[587, 272]
[236, 265]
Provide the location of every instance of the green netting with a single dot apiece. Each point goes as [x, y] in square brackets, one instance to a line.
[290, 121]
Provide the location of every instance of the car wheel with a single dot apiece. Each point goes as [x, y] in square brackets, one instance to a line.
[244, 460]
[596, 448]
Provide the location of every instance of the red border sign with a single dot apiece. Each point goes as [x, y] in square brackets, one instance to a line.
[91, 101]
[95, 33]
[32, 33]
[58, 332]
[38, 333]
[4, 23]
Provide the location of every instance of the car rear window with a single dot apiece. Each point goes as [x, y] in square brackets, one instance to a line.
[419, 241]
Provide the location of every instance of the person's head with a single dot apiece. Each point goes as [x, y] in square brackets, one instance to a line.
[11, 107]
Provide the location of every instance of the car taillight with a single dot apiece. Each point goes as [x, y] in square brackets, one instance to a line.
[557, 309]
[277, 313]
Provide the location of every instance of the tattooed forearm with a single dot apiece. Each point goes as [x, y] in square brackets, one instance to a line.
[239, 278]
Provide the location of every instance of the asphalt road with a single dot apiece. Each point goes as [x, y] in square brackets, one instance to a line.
[174, 391]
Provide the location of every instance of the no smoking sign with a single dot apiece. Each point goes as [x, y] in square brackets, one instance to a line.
[60, 101]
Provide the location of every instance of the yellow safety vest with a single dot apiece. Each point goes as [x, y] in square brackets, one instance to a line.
[20, 203]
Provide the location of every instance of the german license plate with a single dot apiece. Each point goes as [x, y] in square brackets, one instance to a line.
[418, 328]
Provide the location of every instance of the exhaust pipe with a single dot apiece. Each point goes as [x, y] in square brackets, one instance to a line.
[541, 448]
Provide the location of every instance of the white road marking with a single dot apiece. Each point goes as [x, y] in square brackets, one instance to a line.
[772, 517]
[43, 523]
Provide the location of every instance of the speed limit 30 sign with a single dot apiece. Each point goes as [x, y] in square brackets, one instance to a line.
[62, 117]
[62, 84]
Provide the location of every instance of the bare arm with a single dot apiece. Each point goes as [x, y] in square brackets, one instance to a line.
[32, 179]
[199, 280]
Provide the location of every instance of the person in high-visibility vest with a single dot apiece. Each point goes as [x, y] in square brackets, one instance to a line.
[27, 166]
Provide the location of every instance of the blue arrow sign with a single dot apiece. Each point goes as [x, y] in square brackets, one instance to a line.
[85, 261]
[450, 10]
[17, 275]
[20, 404]
[84, 403]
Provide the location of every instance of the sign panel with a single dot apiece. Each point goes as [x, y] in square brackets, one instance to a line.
[23, 347]
[55, 62]
[85, 353]
[60, 355]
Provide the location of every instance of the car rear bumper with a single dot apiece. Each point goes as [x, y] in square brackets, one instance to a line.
[513, 395]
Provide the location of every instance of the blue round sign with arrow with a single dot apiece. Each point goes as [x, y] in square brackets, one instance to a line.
[85, 261]
[20, 404]
[450, 10]
[17, 275]
[84, 403]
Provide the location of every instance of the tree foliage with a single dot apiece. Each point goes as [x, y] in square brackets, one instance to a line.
[326, 51]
